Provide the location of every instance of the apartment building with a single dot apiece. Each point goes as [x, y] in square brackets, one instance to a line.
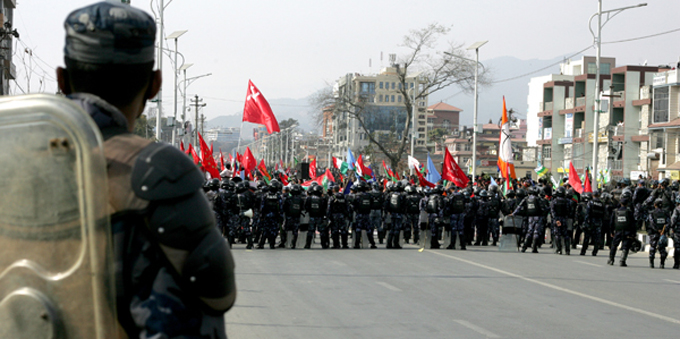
[663, 131]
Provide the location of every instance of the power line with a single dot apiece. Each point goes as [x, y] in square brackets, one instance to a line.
[544, 68]
[643, 37]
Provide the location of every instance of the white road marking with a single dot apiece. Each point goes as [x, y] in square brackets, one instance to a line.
[565, 290]
[388, 286]
[673, 281]
[587, 263]
[476, 328]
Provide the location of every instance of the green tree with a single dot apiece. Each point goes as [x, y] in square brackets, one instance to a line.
[143, 128]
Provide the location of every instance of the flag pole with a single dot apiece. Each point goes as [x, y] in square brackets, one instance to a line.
[240, 131]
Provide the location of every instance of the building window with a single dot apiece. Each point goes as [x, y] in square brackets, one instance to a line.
[393, 95]
[604, 68]
[421, 116]
[398, 98]
[381, 85]
[411, 85]
[380, 97]
[393, 85]
[660, 105]
[547, 152]
[430, 120]
[467, 147]
[446, 124]
[421, 129]
[367, 87]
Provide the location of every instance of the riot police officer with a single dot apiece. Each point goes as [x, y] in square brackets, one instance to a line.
[494, 208]
[656, 226]
[455, 204]
[362, 206]
[432, 204]
[412, 213]
[292, 208]
[376, 216]
[531, 208]
[314, 206]
[271, 214]
[675, 227]
[245, 201]
[482, 220]
[470, 216]
[560, 207]
[228, 209]
[592, 225]
[623, 220]
[396, 205]
[337, 213]
[640, 194]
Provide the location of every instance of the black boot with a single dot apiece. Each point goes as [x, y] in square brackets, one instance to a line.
[336, 240]
[534, 248]
[272, 241]
[452, 245]
[308, 243]
[369, 236]
[381, 236]
[462, 241]
[676, 261]
[558, 246]
[624, 256]
[344, 240]
[249, 239]
[325, 240]
[416, 236]
[434, 243]
[663, 262]
[395, 240]
[389, 240]
[357, 238]
[260, 244]
[612, 255]
[567, 246]
[651, 262]
[293, 241]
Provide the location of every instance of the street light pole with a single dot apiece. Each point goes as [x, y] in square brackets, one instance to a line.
[175, 36]
[598, 44]
[476, 47]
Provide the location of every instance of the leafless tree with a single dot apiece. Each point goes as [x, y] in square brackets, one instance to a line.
[435, 70]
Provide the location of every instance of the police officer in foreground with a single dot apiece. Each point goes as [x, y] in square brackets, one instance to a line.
[362, 207]
[412, 213]
[531, 208]
[396, 205]
[292, 209]
[337, 213]
[456, 206]
[623, 220]
[560, 207]
[315, 205]
[156, 209]
[592, 226]
[271, 214]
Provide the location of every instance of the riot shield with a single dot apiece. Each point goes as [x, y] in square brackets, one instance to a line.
[56, 270]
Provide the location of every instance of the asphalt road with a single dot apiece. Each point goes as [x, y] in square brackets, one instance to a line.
[478, 293]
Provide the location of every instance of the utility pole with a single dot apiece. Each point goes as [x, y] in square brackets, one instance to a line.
[159, 97]
[197, 102]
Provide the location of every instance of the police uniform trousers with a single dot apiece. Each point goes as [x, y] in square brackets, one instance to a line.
[482, 224]
[363, 222]
[561, 235]
[592, 230]
[534, 232]
[654, 237]
[292, 225]
[623, 237]
[317, 223]
[494, 229]
[432, 219]
[457, 224]
[269, 223]
[676, 251]
[376, 222]
[393, 237]
[339, 229]
[469, 229]
[411, 225]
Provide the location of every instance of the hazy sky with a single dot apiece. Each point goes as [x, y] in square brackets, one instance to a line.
[290, 49]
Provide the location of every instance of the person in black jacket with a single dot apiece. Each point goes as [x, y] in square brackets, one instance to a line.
[623, 221]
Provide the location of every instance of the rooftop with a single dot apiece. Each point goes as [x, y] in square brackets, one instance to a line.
[441, 106]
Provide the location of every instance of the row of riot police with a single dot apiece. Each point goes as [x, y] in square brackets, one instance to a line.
[256, 215]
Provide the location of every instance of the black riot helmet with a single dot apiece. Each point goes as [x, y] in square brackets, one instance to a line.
[275, 186]
[484, 194]
[675, 185]
[399, 186]
[587, 196]
[560, 192]
[510, 194]
[665, 182]
[228, 185]
[242, 187]
[410, 189]
[317, 190]
[625, 197]
[493, 189]
[214, 184]
[521, 193]
[296, 190]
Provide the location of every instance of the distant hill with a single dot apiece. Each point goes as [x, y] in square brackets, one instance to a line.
[490, 98]
[283, 109]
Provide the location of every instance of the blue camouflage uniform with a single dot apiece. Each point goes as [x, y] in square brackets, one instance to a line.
[592, 225]
[271, 218]
[560, 208]
[361, 204]
[434, 216]
[656, 221]
[532, 209]
[292, 208]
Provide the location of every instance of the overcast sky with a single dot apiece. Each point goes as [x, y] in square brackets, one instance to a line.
[290, 49]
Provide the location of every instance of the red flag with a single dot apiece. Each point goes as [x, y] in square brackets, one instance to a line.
[284, 178]
[197, 159]
[263, 169]
[281, 163]
[335, 163]
[574, 180]
[249, 163]
[312, 169]
[586, 186]
[222, 161]
[365, 171]
[452, 172]
[258, 111]
[208, 160]
[181, 146]
[423, 182]
[211, 148]
[231, 158]
[328, 177]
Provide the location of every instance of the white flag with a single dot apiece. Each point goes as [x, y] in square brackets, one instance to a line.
[413, 162]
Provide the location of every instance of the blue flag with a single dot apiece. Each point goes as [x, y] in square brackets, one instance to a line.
[350, 159]
[432, 175]
[493, 182]
[349, 185]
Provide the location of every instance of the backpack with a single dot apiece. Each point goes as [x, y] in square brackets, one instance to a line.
[433, 204]
[315, 208]
[395, 202]
[533, 207]
[365, 203]
[294, 206]
[457, 204]
[413, 204]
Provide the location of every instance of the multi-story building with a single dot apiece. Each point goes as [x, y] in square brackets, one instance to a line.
[565, 117]
[663, 131]
[223, 135]
[383, 109]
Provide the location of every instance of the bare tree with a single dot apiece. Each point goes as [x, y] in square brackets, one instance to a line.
[433, 71]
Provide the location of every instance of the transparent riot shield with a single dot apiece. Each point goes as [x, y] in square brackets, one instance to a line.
[56, 271]
[509, 239]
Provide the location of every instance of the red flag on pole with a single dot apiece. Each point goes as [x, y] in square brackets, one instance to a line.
[587, 187]
[197, 159]
[312, 169]
[208, 160]
[258, 111]
[222, 161]
[574, 180]
[263, 169]
[452, 171]
[423, 182]
[249, 163]
[181, 146]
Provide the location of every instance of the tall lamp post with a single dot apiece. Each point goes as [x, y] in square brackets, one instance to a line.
[598, 44]
[476, 47]
[175, 36]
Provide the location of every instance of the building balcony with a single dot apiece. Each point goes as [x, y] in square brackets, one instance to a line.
[568, 103]
[547, 106]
